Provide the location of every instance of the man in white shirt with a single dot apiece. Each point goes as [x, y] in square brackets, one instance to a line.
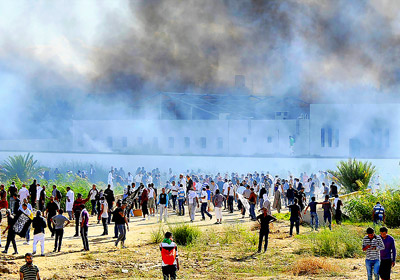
[138, 179]
[151, 202]
[23, 193]
[130, 178]
[38, 191]
[192, 203]
[110, 179]
[174, 194]
[69, 203]
[204, 204]
[230, 194]
[149, 179]
[225, 191]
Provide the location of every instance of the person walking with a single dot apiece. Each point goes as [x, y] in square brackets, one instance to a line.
[218, 201]
[388, 255]
[378, 214]
[11, 233]
[313, 212]
[84, 218]
[29, 271]
[253, 202]
[264, 219]
[204, 204]
[143, 202]
[181, 200]
[120, 221]
[230, 197]
[326, 205]
[295, 216]
[38, 224]
[193, 202]
[77, 208]
[169, 256]
[51, 211]
[338, 210]
[69, 202]
[163, 204]
[372, 244]
[12, 190]
[104, 215]
[59, 224]
[109, 196]
[93, 199]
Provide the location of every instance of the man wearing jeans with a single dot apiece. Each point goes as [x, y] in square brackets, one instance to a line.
[181, 200]
[388, 255]
[192, 203]
[295, 217]
[59, 224]
[120, 222]
[84, 218]
[204, 204]
[313, 212]
[372, 244]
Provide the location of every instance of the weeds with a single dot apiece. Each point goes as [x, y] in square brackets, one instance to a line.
[184, 234]
[312, 266]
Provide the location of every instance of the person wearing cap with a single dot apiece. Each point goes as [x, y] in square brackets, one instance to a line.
[77, 211]
[38, 225]
[264, 219]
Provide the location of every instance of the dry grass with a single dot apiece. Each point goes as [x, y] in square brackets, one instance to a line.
[312, 266]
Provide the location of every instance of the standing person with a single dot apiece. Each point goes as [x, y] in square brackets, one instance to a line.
[333, 190]
[23, 193]
[77, 208]
[29, 271]
[109, 195]
[11, 233]
[326, 205]
[3, 198]
[193, 201]
[93, 199]
[51, 211]
[143, 202]
[181, 200]
[169, 255]
[290, 194]
[277, 198]
[151, 200]
[264, 219]
[313, 212]
[208, 191]
[163, 204]
[253, 202]
[42, 199]
[84, 218]
[388, 255]
[57, 195]
[174, 194]
[266, 204]
[38, 224]
[104, 215]
[372, 244]
[218, 201]
[69, 202]
[12, 190]
[378, 214]
[246, 195]
[338, 210]
[59, 225]
[110, 178]
[203, 201]
[295, 216]
[120, 221]
[231, 197]
[301, 198]
[33, 193]
[27, 210]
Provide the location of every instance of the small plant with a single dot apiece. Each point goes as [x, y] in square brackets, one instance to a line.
[312, 266]
[353, 174]
[184, 234]
[157, 235]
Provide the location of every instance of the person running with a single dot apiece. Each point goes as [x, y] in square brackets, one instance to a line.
[120, 221]
[38, 224]
[313, 212]
[163, 205]
[11, 233]
[204, 204]
[29, 271]
[372, 244]
[59, 225]
[295, 216]
[326, 205]
[84, 218]
[218, 201]
[169, 255]
[264, 219]
[378, 214]
[388, 255]
[181, 200]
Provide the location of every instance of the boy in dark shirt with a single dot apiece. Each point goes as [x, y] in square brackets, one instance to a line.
[264, 219]
[326, 205]
[313, 212]
[295, 216]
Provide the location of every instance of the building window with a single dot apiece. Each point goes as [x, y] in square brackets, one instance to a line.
[109, 142]
[220, 143]
[203, 142]
[155, 143]
[269, 139]
[322, 137]
[329, 131]
[244, 139]
[387, 138]
[140, 140]
[336, 138]
[171, 142]
[124, 141]
[187, 142]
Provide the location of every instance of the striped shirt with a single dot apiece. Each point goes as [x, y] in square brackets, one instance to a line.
[29, 271]
[373, 252]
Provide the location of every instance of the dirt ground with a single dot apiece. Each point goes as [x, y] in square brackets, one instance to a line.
[142, 260]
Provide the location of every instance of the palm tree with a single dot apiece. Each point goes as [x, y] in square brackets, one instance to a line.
[23, 167]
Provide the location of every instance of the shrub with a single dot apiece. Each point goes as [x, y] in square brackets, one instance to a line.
[353, 174]
[341, 242]
[312, 266]
[359, 209]
[157, 235]
[22, 167]
[184, 234]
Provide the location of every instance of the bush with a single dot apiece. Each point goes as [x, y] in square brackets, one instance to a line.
[359, 209]
[312, 266]
[184, 234]
[353, 174]
[157, 235]
[341, 242]
[22, 167]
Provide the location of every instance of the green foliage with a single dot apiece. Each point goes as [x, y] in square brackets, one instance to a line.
[353, 174]
[101, 173]
[22, 167]
[157, 235]
[184, 234]
[359, 209]
[341, 242]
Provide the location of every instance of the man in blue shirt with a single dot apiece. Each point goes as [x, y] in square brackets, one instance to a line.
[388, 255]
[378, 214]
[313, 212]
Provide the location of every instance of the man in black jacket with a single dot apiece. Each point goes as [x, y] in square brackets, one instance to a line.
[109, 195]
[38, 224]
[32, 193]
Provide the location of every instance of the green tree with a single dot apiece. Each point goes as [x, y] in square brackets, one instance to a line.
[353, 174]
[23, 167]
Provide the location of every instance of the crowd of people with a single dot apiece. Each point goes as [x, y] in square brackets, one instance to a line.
[144, 191]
